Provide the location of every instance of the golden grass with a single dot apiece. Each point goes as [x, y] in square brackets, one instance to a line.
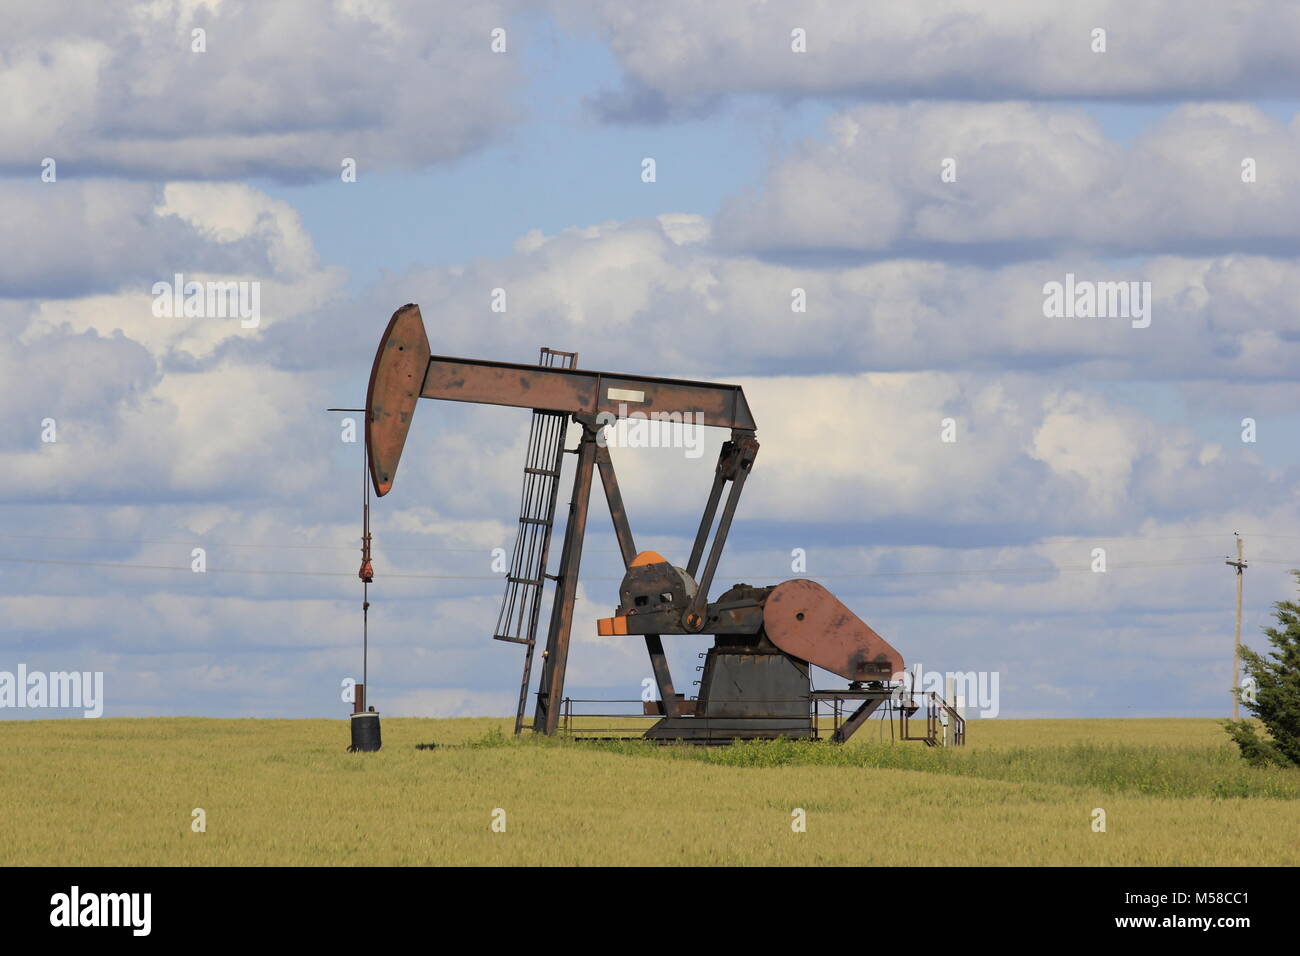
[121, 792]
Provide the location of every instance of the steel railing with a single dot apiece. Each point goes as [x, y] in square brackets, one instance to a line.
[943, 724]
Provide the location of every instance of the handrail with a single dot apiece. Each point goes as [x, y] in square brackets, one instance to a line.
[903, 701]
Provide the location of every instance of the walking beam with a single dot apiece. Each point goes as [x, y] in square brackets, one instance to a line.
[405, 371]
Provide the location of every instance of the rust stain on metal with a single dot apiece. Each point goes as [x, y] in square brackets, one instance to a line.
[574, 391]
[805, 620]
[396, 380]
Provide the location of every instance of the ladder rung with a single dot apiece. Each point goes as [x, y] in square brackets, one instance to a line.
[541, 471]
[536, 582]
[512, 640]
[541, 521]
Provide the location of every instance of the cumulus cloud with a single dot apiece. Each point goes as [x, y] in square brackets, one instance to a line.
[286, 91]
[1028, 180]
[924, 302]
[687, 56]
[650, 297]
[117, 239]
[232, 453]
[79, 238]
[141, 401]
[1028, 456]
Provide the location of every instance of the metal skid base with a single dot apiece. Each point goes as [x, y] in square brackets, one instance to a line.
[705, 730]
[923, 717]
[746, 693]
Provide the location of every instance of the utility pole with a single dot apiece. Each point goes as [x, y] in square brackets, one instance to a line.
[1240, 565]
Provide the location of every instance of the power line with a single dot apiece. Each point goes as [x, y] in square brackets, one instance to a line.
[1135, 565]
[192, 542]
[479, 550]
[173, 567]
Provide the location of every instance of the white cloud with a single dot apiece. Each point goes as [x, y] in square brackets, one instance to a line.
[142, 401]
[285, 91]
[687, 54]
[192, 432]
[1029, 180]
[628, 297]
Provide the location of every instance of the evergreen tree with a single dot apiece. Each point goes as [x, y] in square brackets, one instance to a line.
[1276, 697]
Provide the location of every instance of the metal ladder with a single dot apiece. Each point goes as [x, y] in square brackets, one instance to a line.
[526, 579]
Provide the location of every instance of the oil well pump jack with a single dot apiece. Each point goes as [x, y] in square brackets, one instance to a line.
[756, 681]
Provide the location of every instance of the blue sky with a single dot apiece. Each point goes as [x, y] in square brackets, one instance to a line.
[559, 167]
[522, 171]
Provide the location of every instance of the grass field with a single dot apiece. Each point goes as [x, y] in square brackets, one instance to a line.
[121, 792]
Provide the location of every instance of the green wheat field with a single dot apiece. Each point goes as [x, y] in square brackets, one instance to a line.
[122, 792]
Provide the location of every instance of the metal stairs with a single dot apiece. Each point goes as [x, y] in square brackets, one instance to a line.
[526, 577]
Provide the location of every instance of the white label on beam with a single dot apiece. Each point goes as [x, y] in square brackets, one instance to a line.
[624, 395]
